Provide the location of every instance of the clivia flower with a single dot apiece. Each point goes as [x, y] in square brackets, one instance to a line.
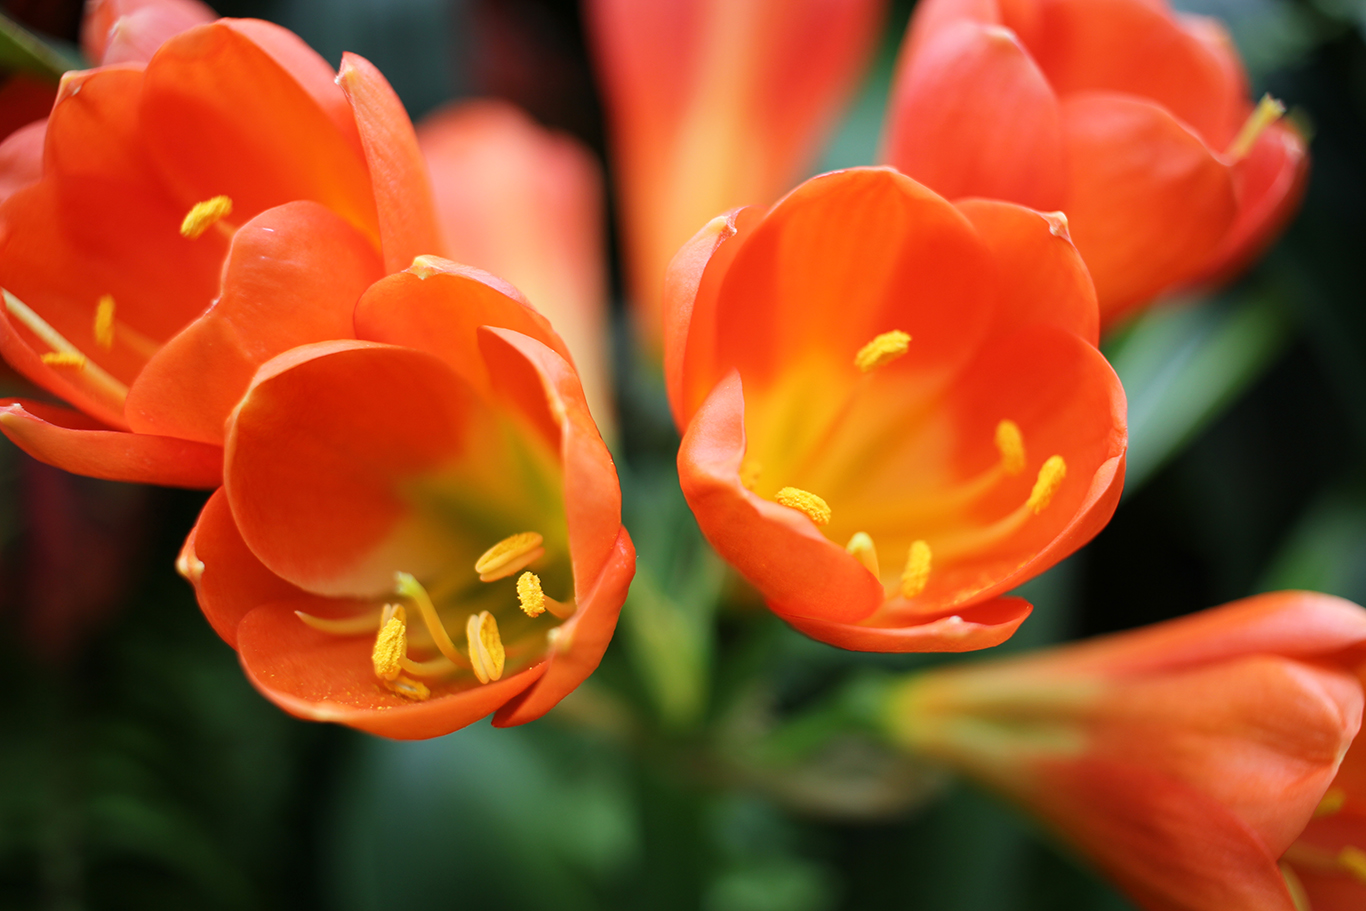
[421, 526]
[893, 407]
[1184, 759]
[1132, 119]
[714, 104]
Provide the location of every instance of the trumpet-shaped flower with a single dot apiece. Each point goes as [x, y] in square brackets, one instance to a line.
[1184, 759]
[893, 407]
[714, 104]
[1132, 119]
[197, 215]
[421, 526]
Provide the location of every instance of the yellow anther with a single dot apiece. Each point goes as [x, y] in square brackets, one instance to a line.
[1010, 443]
[509, 555]
[862, 549]
[391, 645]
[530, 595]
[1353, 860]
[203, 216]
[816, 509]
[486, 646]
[64, 359]
[1050, 479]
[409, 688]
[91, 373]
[882, 350]
[104, 322]
[916, 575]
[750, 470]
[1333, 801]
[1267, 112]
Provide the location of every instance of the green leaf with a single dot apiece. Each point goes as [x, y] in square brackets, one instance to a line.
[1182, 366]
[26, 52]
[1326, 550]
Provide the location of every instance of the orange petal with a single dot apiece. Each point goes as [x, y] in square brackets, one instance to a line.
[72, 441]
[21, 158]
[779, 550]
[130, 31]
[1148, 202]
[408, 225]
[292, 276]
[971, 115]
[974, 627]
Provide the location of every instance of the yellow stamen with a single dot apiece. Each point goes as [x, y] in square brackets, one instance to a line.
[1049, 480]
[1353, 860]
[816, 509]
[486, 646]
[91, 372]
[882, 350]
[1267, 112]
[1333, 801]
[391, 645]
[513, 553]
[409, 688]
[1010, 443]
[203, 216]
[1298, 897]
[750, 470]
[347, 626]
[408, 587]
[862, 548]
[916, 575]
[104, 322]
[64, 359]
[530, 595]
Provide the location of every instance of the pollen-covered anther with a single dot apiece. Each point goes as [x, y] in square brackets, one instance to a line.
[104, 322]
[1334, 799]
[1352, 860]
[804, 501]
[882, 350]
[486, 646]
[1010, 443]
[204, 215]
[862, 549]
[1050, 479]
[391, 644]
[64, 359]
[510, 555]
[1267, 112]
[916, 575]
[530, 595]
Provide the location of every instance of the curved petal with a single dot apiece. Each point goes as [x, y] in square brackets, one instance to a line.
[1147, 201]
[1043, 280]
[971, 115]
[778, 549]
[229, 582]
[74, 442]
[408, 226]
[977, 626]
[322, 677]
[21, 158]
[292, 276]
[130, 31]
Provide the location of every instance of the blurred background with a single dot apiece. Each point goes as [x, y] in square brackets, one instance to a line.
[139, 770]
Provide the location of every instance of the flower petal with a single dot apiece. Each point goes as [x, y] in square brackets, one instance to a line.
[21, 158]
[974, 627]
[130, 31]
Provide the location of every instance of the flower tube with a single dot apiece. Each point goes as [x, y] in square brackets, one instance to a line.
[1132, 119]
[893, 408]
[419, 527]
[1184, 759]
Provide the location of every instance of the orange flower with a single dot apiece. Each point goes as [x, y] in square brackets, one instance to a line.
[525, 203]
[715, 104]
[233, 169]
[1183, 759]
[130, 31]
[364, 479]
[1133, 120]
[893, 407]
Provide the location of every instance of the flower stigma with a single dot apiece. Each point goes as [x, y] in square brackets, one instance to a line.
[204, 215]
[862, 549]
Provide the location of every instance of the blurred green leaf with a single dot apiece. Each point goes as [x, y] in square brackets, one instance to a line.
[1183, 365]
[22, 50]
[1326, 550]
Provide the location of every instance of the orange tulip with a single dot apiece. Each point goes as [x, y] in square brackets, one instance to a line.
[1132, 119]
[233, 170]
[1183, 759]
[525, 203]
[893, 407]
[362, 482]
[714, 104]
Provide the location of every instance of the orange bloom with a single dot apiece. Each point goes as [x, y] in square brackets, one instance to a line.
[233, 169]
[1132, 119]
[893, 407]
[130, 31]
[714, 104]
[525, 203]
[1184, 759]
[362, 482]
